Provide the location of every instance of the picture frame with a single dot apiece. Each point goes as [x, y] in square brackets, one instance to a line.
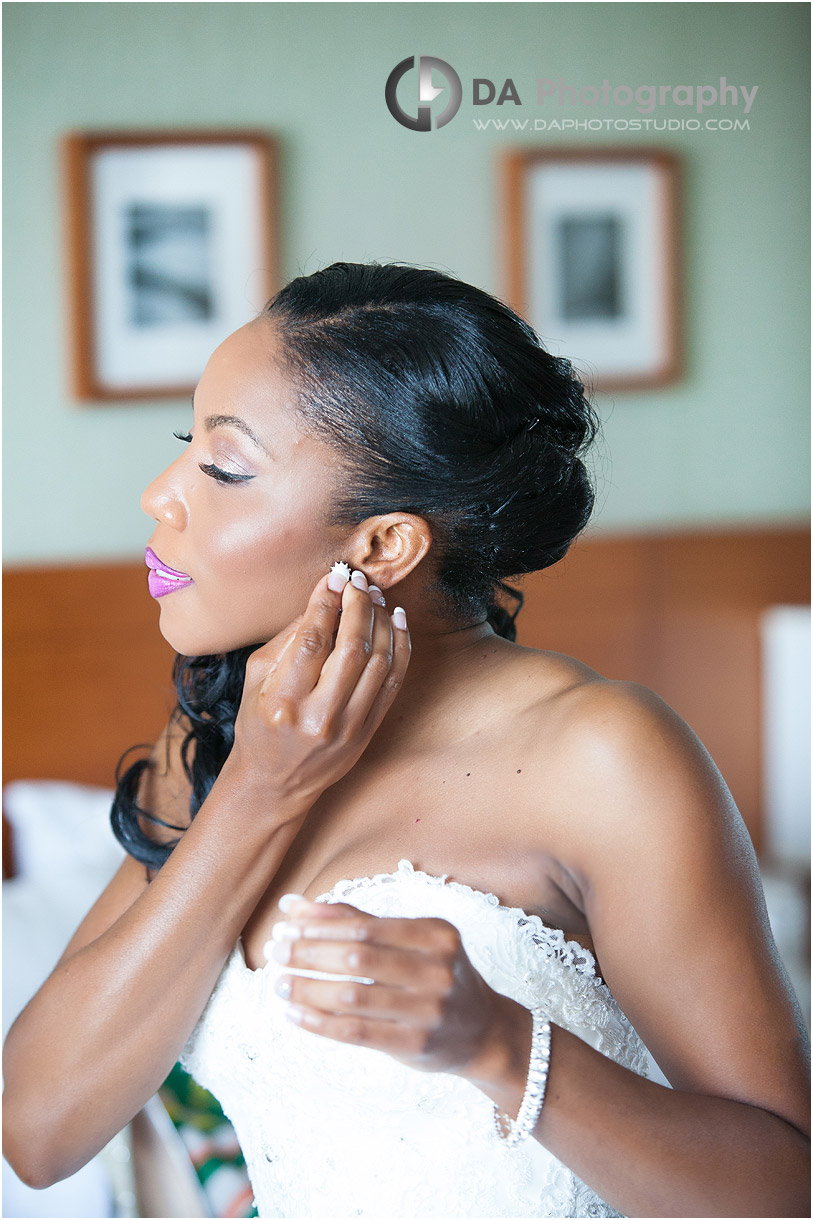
[172, 244]
[591, 259]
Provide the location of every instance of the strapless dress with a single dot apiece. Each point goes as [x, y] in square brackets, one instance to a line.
[330, 1129]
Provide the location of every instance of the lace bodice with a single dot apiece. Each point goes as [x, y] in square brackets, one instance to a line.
[329, 1129]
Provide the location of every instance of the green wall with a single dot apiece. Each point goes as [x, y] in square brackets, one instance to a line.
[728, 444]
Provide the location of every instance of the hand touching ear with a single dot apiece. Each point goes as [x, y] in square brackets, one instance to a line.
[316, 693]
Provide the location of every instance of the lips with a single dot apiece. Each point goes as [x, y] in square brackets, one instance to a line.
[163, 579]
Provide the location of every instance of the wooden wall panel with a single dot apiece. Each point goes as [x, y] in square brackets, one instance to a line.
[86, 672]
[593, 605]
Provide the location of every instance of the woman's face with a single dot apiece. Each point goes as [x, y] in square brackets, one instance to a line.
[242, 511]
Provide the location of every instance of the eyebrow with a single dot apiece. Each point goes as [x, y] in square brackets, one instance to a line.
[234, 421]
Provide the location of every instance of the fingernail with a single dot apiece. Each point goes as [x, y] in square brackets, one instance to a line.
[339, 576]
[286, 931]
[376, 595]
[294, 1013]
[287, 901]
[283, 987]
[399, 617]
[359, 580]
[281, 952]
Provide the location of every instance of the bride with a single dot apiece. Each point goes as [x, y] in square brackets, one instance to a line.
[409, 898]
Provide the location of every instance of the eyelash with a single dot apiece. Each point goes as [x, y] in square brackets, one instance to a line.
[215, 472]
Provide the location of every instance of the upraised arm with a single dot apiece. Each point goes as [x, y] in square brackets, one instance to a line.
[105, 1028]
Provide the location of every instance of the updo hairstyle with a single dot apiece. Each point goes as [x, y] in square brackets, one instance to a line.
[442, 402]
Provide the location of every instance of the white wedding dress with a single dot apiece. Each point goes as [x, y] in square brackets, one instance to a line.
[331, 1129]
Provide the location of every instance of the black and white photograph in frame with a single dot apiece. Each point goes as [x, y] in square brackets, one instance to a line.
[173, 251]
[595, 261]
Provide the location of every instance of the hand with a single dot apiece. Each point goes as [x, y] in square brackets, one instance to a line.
[424, 1003]
[310, 706]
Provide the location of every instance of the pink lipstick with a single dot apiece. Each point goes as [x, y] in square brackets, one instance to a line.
[163, 579]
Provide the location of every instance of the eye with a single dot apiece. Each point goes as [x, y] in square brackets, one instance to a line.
[215, 472]
[223, 476]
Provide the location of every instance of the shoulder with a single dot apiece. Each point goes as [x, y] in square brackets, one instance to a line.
[609, 730]
[669, 883]
[621, 731]
[587, 711]
[626, 768]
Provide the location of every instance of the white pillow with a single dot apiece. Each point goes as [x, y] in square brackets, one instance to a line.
[60, 829]
[64, 855]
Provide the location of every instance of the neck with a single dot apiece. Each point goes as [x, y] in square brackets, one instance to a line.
[446, 659]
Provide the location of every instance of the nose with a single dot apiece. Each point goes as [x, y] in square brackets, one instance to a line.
[163, 500]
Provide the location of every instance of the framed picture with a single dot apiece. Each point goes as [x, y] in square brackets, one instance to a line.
[592, 261]
[172, 244]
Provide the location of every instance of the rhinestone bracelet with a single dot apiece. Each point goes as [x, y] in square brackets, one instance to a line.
[535, 1088]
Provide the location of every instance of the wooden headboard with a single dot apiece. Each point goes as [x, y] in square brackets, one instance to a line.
[87, 673]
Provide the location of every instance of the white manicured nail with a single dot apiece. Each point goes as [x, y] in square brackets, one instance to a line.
[287, 901]
[285, 931]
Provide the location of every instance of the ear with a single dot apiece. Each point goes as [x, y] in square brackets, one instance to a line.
[388, 548]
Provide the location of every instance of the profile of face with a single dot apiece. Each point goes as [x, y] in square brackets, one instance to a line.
[244, 510]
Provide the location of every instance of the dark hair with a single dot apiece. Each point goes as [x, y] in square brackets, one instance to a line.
[441, 402]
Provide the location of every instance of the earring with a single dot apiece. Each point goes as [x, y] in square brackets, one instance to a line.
[342, 568]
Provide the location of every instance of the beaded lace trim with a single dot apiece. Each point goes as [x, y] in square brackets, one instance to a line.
[552, 940]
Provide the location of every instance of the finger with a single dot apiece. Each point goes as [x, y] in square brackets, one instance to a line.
[376, 597]
[376, 1001]
[397, 1038]
[392, 964]
[379, 684]
[278, 646]
[266, 658]
[299, 668]
[361, 690]
[308, 920]
[350, 656]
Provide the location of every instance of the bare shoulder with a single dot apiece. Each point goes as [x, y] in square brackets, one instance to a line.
[622, 740]
[623, 765]
[587, 707]
[561, 695]
[669, 883]
[622, 730]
